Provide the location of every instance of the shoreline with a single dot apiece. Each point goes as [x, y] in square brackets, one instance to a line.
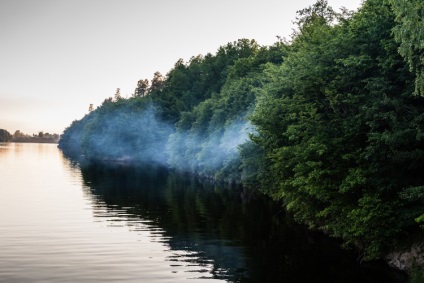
[34, 140]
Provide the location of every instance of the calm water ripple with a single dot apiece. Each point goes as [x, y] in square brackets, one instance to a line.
[63, 223]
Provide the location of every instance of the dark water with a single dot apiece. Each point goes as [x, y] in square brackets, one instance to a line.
[61, 223]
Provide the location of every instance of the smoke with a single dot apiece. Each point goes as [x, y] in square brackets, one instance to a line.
[235, 134]
[128, 133]
[211, 153]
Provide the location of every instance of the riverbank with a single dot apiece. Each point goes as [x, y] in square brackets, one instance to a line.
[35, 140]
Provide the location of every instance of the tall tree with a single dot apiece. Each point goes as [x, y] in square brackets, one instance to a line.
[410, 33]
[336, 121]
[118, 95]
[142, 88]
[157, 82]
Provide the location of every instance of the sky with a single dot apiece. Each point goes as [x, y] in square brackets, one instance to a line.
[59, 56]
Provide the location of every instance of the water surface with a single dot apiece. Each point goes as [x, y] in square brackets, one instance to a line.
[63, 223]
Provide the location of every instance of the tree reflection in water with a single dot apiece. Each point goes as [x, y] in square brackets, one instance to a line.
[224, 232]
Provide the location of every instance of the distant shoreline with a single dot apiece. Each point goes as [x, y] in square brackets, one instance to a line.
[34, 140]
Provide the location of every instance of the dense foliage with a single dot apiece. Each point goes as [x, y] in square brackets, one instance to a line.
[5, 136]
[410, 33]
[331, 123]
[342, 131]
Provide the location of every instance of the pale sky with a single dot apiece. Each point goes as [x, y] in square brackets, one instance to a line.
[58, 56]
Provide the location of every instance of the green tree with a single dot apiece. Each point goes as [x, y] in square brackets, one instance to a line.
[410, 33]
[157, 82]
[336, 121]
[142, 88]
[118, 95]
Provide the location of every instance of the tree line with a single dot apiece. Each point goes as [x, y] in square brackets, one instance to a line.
[329, 122]
[19, 136]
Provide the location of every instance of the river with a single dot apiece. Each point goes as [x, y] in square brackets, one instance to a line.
[63, 223]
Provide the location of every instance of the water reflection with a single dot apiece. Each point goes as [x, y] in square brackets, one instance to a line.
[145, 202]
[222, 233]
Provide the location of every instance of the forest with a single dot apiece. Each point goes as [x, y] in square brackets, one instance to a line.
[329, 122]
[21, 137]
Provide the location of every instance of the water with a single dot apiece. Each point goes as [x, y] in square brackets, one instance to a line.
[63, 223]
